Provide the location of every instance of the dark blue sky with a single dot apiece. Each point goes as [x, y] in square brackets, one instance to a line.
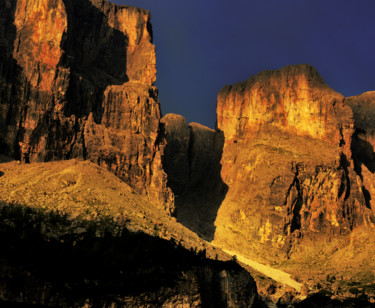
[203, 45]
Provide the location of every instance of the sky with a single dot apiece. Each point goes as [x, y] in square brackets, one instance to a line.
[203, 45]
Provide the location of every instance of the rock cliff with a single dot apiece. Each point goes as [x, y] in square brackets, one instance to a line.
[191, 160]
[77, 81]
[363, 144]
[286, 176]
[294, 99]
[287, 160]
[290, 160]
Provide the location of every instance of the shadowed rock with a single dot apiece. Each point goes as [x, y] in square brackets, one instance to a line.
[363, 144]
[192, 162]
[76, 81]
[51, 260]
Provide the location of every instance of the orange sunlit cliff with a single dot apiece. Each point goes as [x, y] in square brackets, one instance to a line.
[286, 178]
[77, 81]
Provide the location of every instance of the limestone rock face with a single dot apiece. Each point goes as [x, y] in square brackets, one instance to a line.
[191, 160]
[77, 80]
[287, 161]
[295, 99]
[363, 107]
[176, 153]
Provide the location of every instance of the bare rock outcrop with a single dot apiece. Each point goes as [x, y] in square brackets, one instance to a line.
[294, 99]
[363, 144]
[76, 80]
[287, 161]
[176, 134]
[191, 160]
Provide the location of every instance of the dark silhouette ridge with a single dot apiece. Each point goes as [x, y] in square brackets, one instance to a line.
[319, 300]
[191, 160]
[53, 260]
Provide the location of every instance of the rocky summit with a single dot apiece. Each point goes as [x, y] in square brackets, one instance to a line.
[290, 176]
[288, 162]
[153, 211]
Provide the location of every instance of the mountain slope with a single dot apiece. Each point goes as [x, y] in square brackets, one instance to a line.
[83, 236]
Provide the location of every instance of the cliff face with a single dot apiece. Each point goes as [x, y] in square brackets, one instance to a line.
[287, 161]
[191, 160]
[77, 81]
[294, 99]
[363, 107]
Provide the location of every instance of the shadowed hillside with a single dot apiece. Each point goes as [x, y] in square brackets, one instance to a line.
[51, 259]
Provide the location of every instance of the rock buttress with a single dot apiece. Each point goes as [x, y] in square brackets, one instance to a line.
[287, 161]
[363, 144]
[77, 81]
[191, 159]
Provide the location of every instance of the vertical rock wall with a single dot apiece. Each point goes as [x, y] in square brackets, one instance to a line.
[287, 161]
[192, 162]
[363, 144]
[77, 81]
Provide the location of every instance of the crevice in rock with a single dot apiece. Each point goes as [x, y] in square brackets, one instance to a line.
[344, 163]
[342, 140]
[296, 204]
[296, 221]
